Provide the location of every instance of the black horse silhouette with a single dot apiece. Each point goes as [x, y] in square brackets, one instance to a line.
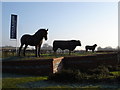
[33, 40]
[90, 47]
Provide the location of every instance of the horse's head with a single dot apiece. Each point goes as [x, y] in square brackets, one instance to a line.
[42, 33]
[45, 34]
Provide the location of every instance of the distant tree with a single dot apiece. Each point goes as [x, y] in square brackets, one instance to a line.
[46, 46]
[108, 48]
[118, 49]
[99, 48]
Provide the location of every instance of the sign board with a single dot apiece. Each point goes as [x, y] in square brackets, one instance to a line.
[13, 28]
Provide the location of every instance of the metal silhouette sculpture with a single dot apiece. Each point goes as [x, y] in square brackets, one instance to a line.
[90, 47]
[33, 40]
[70, 45]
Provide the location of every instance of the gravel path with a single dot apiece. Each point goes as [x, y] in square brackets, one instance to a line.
[43, 84]
[12, 75]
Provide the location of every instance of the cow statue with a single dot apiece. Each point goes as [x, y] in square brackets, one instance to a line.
[90, 47]
[68, 44]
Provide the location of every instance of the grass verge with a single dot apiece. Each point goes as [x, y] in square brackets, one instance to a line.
[13, 82]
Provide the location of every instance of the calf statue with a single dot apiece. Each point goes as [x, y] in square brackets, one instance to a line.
[91, 47]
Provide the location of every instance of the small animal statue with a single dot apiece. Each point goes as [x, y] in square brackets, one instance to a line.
[33, 40]
[90, 47]
[68, 44]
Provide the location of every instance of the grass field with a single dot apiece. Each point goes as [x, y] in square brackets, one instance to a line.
[13, 82]
[30, 56]
[40, 82]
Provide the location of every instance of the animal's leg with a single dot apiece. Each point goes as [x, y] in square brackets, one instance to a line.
[55, 49]
[93, 50]
[24, 49]
[62, 51]
[39, 50]
[20, 49]
[36, 51]
[69, 52]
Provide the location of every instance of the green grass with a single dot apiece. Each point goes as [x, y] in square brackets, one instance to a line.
[116, 73]
[13, 82]
[48, 56]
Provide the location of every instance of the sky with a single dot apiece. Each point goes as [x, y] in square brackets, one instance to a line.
[119, 24]
[0, 24]
[89, 22]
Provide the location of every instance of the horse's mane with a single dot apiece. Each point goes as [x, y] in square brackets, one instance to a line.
[39, 31]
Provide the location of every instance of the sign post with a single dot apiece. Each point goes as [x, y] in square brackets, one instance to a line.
[13, 28]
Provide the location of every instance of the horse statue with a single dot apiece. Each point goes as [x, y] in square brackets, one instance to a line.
[33, 40]
[91, 47]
